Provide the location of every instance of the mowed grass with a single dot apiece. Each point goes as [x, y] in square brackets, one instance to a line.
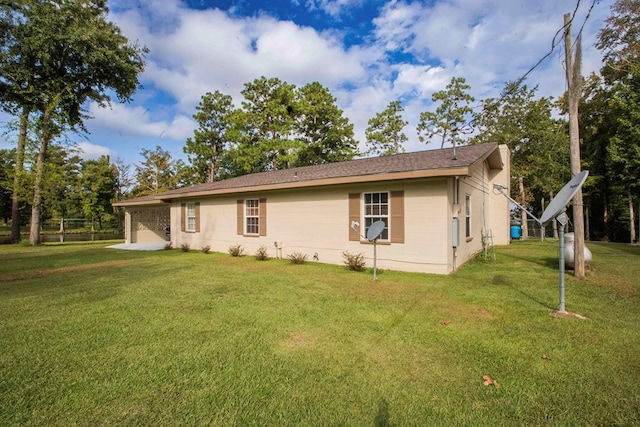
[95, 336]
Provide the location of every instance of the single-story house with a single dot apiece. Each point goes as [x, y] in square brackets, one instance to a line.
[438, 207]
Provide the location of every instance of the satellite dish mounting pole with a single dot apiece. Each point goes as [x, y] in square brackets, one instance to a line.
[375, 274]
[562, 221]
[374, 232]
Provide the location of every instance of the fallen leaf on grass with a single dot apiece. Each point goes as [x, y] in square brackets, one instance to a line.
[546, 357]
[489, 380]
[445, 322]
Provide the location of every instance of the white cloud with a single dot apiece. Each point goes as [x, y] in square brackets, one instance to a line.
[135, 121]
[333, 8]
[211, 50]
[89, 151]
[489, 42]
[423, 79]
[415, 49]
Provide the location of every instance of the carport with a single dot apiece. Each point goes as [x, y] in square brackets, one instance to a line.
[146, 220]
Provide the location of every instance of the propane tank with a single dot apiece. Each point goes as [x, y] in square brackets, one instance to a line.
[569, 255]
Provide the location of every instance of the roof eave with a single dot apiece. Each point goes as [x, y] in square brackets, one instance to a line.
[154, 202]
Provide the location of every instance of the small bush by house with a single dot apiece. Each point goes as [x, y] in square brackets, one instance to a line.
[236, 250]
[297, 258]
[355, 262]
[261, 253]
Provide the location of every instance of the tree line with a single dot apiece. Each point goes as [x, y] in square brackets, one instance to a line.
[278, 126]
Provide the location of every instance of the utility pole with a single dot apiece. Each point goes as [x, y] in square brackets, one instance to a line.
[574, 80]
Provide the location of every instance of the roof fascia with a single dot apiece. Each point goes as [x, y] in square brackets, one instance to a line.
[154, 202]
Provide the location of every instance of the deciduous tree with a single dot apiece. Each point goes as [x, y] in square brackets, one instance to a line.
[619, 42]
[98, 185]
[156, 173]
[63, 53]
[538, 146]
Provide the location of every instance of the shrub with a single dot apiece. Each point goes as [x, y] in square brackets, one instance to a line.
[206, 249]
[168, 246]
[236, 250]
[354, 262]
[297, 258]
[261, 253]
[185, 247]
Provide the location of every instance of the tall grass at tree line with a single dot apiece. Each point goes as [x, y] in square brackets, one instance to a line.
[101, 336]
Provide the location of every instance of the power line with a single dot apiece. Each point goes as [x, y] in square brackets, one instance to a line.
[554, 43]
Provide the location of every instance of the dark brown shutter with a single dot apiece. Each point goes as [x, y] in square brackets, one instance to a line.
[183, 217]
[397, 217]
[263, 217]
[197, 217]
[354, 215]
[240, 222]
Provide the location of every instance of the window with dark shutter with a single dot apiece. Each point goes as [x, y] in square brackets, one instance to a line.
[252, 217]
[387, 207]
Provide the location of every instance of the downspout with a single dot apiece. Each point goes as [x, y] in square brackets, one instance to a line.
[484, 213]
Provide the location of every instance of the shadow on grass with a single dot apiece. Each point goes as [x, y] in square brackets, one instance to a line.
[503, 280]
[547, 262]
[382, 416]
[611, 248]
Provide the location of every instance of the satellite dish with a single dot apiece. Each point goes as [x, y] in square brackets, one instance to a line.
[374, 231]
[563, 197]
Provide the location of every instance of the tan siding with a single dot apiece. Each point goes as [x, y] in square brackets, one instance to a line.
[312, 222]
[397, 217]
[354, 215]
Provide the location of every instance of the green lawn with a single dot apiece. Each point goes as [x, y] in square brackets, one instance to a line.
[95, 336]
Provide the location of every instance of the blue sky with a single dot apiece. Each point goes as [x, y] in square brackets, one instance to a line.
[367, 52]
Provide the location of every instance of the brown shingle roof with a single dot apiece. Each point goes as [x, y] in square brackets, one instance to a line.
[400, 166]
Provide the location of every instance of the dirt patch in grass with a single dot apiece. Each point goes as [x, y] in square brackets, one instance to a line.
[482, 313]
[299, 339]
[38, 274]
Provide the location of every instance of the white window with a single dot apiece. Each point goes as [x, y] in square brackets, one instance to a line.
[376, 208]
[467, 214]
[191, 217]
[252, 216]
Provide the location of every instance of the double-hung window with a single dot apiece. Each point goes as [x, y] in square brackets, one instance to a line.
[467, 214]
[191, 217]
[252, 216]
[376, 208]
